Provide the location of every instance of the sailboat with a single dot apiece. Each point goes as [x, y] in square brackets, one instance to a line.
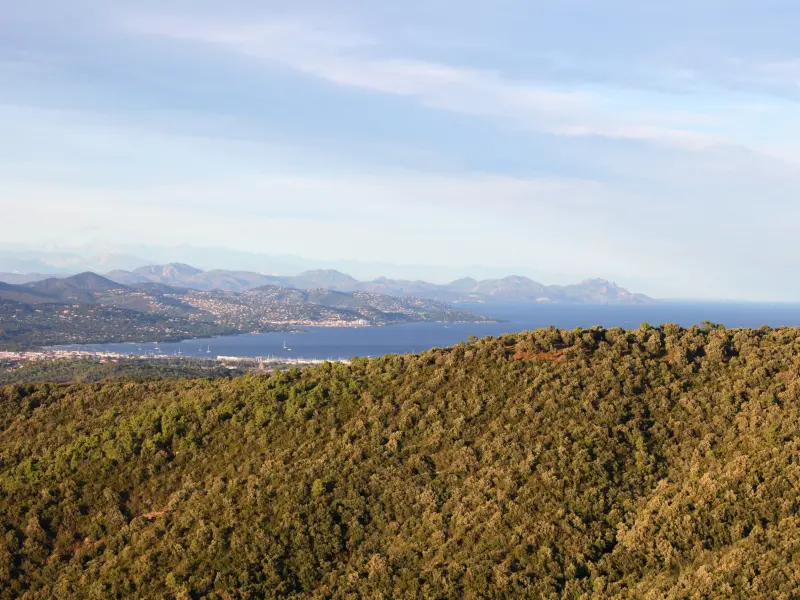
[285, 348]
[209, 350]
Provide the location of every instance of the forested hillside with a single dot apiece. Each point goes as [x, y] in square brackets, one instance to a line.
[656, 463]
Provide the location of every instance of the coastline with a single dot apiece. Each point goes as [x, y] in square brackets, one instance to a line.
[49, 355]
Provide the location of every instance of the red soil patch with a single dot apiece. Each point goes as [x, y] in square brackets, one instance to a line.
[156, 514]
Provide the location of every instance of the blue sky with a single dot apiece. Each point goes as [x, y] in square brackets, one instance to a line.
[657, 144]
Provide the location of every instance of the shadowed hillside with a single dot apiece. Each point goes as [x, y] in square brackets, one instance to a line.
[655, 463]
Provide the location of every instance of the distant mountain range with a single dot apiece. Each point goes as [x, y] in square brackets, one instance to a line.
[507, 289]
[185, 276]
[58, 261]
[88, 308]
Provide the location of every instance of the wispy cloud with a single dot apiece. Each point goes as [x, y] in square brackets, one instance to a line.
[355, 60]
[578, 136]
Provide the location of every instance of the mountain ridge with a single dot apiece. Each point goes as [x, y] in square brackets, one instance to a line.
[512, 288]
[90, 308]
[79, 288]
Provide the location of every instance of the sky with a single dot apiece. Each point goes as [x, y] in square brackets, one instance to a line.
[653, 143]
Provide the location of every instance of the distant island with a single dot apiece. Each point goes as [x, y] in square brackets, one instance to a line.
[89, 308]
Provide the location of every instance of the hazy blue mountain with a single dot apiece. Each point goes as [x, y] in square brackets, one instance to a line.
[104, 257]
[599, 290]
[322, 278]
[402, 287]
[364, 269]
[90, 288]
[507, 289]
[81, 288]
[213, 266]
[175, 271]
[184, 276]
[235, 281]
[463, 285]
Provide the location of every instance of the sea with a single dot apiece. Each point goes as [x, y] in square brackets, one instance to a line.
[344, 342]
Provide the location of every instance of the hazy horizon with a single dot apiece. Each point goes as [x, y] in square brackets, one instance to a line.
[650, 144]
[211, 259]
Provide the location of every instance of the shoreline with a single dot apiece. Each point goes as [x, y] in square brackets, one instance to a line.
[50, 355]
[291, 328]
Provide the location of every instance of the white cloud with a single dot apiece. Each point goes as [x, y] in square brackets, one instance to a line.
[354, 60]
[688, 207]
[441, 220]
[568, 226]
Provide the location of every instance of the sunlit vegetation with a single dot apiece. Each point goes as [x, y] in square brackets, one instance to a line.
[592, 464]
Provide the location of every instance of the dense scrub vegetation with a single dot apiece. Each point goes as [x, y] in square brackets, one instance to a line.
[655, 463]
[79, 369]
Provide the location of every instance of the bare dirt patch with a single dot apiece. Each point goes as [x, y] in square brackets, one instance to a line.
[156, 514]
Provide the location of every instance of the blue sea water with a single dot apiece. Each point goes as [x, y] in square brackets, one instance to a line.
[322, 342]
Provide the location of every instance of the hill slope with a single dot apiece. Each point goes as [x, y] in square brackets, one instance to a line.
[596, 464]
[81, 288]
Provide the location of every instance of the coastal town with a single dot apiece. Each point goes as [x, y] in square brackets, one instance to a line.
[91, 309]
[10, 359]
[275, 308]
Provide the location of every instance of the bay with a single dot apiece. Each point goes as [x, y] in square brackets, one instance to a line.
[335, 343]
